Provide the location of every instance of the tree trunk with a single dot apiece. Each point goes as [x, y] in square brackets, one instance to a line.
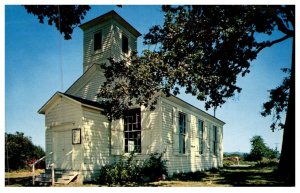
[287, 159]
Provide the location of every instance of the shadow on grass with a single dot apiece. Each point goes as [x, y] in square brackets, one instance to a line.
[19, 182]
[252, 176]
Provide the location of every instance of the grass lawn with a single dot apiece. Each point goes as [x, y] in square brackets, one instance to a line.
[228, 177]
[225, 177]
[20, 178]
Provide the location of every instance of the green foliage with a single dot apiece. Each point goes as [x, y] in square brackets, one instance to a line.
[154, 167]
[259, 150]
[136, 83]
[228, 162]
[65, 17]
[201, 48]
[189, 176]
[267, 163]
[278, 102]
[20, 152]
[130, 170]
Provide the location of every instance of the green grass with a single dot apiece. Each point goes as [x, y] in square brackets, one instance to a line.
[256, 175]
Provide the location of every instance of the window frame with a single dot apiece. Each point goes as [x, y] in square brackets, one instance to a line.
[76, 136]
[133, 131]
[201, 137]
[182, 133]
[215, 140]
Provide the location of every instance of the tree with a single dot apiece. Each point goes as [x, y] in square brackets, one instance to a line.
[278, 102]
[204, 49]
[259, 150]
[65, 17]
[19, 151]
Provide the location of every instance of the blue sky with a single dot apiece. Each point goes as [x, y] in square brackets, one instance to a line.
[34, 54]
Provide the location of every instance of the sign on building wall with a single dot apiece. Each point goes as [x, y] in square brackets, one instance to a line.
[76, 136]
[130, 146]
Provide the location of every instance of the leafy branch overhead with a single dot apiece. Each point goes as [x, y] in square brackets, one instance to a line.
[200, 48]
[278, 102]
[134, 84]
[65, 17]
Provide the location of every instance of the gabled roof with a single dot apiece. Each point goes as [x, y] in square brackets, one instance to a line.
[107, 16]
[83, 102]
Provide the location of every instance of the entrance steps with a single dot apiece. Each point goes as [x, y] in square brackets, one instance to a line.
[62, 177]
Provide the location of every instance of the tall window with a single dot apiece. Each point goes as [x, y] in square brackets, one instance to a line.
[124, 44]
[182, 132]
[215, 142]
[132, 130]
[200, 135]
[97, 41]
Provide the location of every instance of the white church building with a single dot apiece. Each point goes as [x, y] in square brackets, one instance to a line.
[81, 139]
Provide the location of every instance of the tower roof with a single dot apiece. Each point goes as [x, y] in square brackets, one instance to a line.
[107, 16]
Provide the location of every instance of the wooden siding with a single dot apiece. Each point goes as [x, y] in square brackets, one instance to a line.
[63, 115]
[192, 160]
[111, 43]
[88, 85]
[49, 147]
[118, 30]
[63, 111]
[151, 131]
[96, 142]
[89, 55]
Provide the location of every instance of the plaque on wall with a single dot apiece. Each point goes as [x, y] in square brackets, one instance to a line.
[76, 136]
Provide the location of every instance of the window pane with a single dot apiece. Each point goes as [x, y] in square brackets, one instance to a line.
[97, 41]
[180, 143]
[182, 130]
[124, 44]
[132, 130]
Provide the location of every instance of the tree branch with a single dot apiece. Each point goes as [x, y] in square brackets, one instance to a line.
[269, 44]
[283, 28]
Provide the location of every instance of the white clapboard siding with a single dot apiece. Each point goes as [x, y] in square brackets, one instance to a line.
[63, 114]
[111, 43]
[147, 132]
[95, 141]
[89, 55]
[63, 111]
[88, 85]
[118, 30]
[191, 160]
[117, 137]
[49, 146]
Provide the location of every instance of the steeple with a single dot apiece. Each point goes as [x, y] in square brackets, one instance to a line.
[106, 36]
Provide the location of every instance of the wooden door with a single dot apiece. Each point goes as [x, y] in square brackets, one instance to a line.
[62, 143]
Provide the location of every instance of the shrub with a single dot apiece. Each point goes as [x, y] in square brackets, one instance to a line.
[189, 176]
[128, 170]
[124, 171]
[154, 167]
[213, 170]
